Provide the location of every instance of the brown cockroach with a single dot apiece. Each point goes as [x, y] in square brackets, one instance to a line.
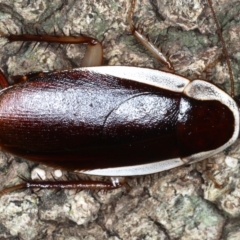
[112, 120]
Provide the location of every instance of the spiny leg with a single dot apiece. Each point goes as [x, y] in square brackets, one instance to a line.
[78, 185]
[145, 41]
[92, 57]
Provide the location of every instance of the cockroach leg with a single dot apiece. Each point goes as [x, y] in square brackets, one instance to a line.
[78, 185]
[12, 189]
[145, 41]
[18, 78]
[152, 49]
[3, 80]
[93, 55]
[22, 78]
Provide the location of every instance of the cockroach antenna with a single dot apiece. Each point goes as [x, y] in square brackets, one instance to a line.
[224, 48]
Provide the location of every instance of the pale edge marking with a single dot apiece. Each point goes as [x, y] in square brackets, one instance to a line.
[202, 90]
[160, 79]
[143, 169]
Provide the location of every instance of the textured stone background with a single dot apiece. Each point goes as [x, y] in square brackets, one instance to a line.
[191, 202]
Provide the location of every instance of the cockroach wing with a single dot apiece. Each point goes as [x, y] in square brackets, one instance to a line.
[113, 121]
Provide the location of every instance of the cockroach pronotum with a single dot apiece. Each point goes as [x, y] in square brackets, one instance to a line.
[112, 121]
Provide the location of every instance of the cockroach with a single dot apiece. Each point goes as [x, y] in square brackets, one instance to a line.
[112, 120]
